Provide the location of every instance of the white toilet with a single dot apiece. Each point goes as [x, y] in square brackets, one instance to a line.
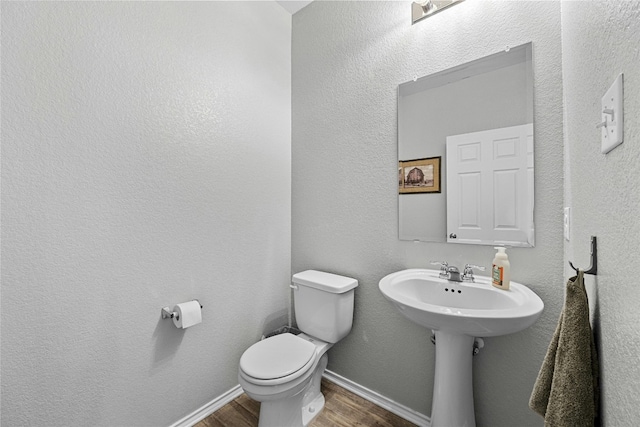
[283, 372]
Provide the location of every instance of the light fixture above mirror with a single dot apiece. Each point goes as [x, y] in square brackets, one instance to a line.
[424, 8]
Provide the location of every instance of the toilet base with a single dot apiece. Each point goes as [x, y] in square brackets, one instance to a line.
[298, 410]
[282, 412]
[313, 402]
[312, 410]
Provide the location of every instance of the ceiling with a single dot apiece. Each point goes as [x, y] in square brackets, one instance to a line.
[292, 6]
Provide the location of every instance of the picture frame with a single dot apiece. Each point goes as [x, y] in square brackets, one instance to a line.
[419, 175]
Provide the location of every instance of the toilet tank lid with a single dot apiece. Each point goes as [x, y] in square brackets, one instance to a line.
[323, 281]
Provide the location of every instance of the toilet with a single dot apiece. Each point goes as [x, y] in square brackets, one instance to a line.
[283, 372]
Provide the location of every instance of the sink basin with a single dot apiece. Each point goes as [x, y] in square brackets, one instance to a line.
[458, 313]
[476, 309]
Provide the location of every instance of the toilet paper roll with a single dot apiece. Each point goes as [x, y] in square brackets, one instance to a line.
[187, 314]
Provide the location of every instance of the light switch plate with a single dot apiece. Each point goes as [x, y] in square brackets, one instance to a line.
[612, 116]
[567, 223]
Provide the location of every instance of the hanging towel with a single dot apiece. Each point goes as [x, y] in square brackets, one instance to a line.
[566, 390]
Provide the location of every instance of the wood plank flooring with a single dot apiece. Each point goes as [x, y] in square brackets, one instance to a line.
[342, 409]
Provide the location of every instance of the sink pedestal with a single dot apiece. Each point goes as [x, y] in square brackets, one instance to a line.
[453, 385]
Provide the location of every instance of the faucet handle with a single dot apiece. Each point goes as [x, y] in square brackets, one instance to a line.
[444, 268]
[467, 274]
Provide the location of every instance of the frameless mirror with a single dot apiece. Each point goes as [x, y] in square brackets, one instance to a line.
[465, 153]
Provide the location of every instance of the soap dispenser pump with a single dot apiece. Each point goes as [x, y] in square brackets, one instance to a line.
[501, 271]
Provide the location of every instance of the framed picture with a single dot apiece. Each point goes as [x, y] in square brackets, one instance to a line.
[419, 176]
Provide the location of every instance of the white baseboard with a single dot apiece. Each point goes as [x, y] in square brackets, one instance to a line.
[209, 408]
[378, 399]
[370, 395]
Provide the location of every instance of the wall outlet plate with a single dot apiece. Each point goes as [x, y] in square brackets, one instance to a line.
[612, 116]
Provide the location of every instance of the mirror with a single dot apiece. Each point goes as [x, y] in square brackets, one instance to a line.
[465, 153]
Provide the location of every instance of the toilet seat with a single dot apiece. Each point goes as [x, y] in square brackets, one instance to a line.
[281, 357]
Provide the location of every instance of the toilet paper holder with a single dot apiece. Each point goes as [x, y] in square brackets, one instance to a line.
[168, 314]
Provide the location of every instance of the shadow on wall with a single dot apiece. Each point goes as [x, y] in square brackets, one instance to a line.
[167, 339]
[274, 321]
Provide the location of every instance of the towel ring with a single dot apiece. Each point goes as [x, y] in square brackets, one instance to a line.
[593, 267]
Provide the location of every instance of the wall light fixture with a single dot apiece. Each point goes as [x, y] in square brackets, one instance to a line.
[424, 8]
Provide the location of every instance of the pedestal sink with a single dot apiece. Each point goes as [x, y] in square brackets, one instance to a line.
[458, 312]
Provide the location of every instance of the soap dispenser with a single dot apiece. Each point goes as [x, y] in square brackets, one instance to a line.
[501, 271]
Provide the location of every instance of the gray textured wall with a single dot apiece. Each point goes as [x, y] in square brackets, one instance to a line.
[145, 162]
[348, 58]
[115, 201]
[599, 42]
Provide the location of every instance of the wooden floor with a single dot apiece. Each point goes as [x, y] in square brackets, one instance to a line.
[342, 409]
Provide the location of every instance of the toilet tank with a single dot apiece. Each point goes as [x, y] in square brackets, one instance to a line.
[323, 304]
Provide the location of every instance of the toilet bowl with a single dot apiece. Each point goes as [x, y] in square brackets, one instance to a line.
[284, 372]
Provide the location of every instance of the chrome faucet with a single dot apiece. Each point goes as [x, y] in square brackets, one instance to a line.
[444, 268]
[452, 273]
[467, 274]
[448, 272]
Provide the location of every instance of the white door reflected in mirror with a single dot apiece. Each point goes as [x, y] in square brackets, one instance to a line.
[490, 187]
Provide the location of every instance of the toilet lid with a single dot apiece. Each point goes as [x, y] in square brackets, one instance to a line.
[276, 357]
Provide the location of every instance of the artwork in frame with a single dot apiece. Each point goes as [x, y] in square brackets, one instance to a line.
[419, 175]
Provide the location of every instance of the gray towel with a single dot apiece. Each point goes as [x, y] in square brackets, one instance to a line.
[566, 391]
